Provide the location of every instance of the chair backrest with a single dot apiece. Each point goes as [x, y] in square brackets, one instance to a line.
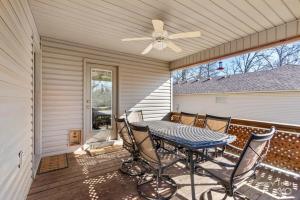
[187, 118]
[124, 132]
[134, 116]
[145, 144]
[216, 123]
[254, 151]
[175, 118]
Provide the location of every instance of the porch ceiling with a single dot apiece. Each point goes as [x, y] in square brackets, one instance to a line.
[104, 23]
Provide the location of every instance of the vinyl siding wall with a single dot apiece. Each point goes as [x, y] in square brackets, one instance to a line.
[281, 107]
[143, 84]
[18, 36]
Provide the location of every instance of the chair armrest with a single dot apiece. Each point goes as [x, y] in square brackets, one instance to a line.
[234, 147]
[223, 164]
[218, 162]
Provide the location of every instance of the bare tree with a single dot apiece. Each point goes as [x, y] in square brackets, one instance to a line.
[282, 55]
[184, 74]
[248, 62]
[177, 76]
[211, 69]
[181, 75]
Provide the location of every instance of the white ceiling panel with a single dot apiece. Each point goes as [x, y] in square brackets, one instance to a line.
[103, 23]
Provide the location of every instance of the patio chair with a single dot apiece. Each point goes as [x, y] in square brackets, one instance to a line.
[130, 166]
[134, 116]
[175, 117]
[218, 124]
[157, 186]
[187, 118]
[231, 176]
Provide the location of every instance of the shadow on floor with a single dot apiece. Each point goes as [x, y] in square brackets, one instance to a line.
[98, 178]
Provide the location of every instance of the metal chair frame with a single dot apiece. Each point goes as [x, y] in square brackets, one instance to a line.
[158, 171]
[127, 113]
[228, 120]
[130, 147]
[230, 187]
[189, 115]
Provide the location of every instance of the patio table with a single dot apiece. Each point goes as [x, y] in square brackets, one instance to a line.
[190, 137]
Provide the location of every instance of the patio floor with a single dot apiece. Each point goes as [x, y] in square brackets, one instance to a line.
[98, 178]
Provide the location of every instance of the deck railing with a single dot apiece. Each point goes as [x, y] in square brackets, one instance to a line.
[284, 151]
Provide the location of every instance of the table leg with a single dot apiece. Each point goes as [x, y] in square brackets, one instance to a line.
[192, 171]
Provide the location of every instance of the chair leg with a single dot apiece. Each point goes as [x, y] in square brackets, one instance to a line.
[207, 195]
[216, 152]
[132, 167]
[240, 195]
[223, 150]
[149, 189]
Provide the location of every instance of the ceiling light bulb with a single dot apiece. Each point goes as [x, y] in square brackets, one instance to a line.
[159, 44]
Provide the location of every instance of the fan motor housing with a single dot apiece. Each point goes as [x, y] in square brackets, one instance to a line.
[159, 40]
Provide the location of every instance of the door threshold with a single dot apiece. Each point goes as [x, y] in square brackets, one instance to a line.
[98, 148]
[102, 144]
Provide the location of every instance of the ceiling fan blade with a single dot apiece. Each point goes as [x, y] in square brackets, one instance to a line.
[148, 49]
[173, 46]
[185, 35]
[158, 25]
[136, 39]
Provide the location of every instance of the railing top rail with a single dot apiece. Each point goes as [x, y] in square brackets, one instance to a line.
[262, 124]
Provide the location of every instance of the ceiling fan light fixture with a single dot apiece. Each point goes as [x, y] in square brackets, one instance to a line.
[159, 44]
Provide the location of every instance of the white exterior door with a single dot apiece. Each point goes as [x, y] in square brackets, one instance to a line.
[99, 102]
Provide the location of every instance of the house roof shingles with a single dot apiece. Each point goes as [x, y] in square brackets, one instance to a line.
[285, 78]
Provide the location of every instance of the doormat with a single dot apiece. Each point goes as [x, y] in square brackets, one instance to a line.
[52, 163]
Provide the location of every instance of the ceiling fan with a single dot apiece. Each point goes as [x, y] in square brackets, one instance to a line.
[161, 39]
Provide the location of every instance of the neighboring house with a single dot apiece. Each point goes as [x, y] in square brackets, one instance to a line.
[272, 95]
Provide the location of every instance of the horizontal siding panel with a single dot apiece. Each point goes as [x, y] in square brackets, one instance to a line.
[55, 149]
[46, 108]
[62, 87]
[55, 141]
[61, 98]
[62, 93]
[60, 61]
[138, 73]
[62, 72]
[11, 20]
[136, 62]
[129, 98]
[62, 77]
[62, 66]
[13, 64]
[65, 126]
[88, 51]
[9, 76]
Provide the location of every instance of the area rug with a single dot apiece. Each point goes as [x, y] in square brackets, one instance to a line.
[52, 163]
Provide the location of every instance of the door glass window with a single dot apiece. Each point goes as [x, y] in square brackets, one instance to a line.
[101, 100]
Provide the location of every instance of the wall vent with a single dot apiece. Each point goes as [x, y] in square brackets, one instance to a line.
[221, 99]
